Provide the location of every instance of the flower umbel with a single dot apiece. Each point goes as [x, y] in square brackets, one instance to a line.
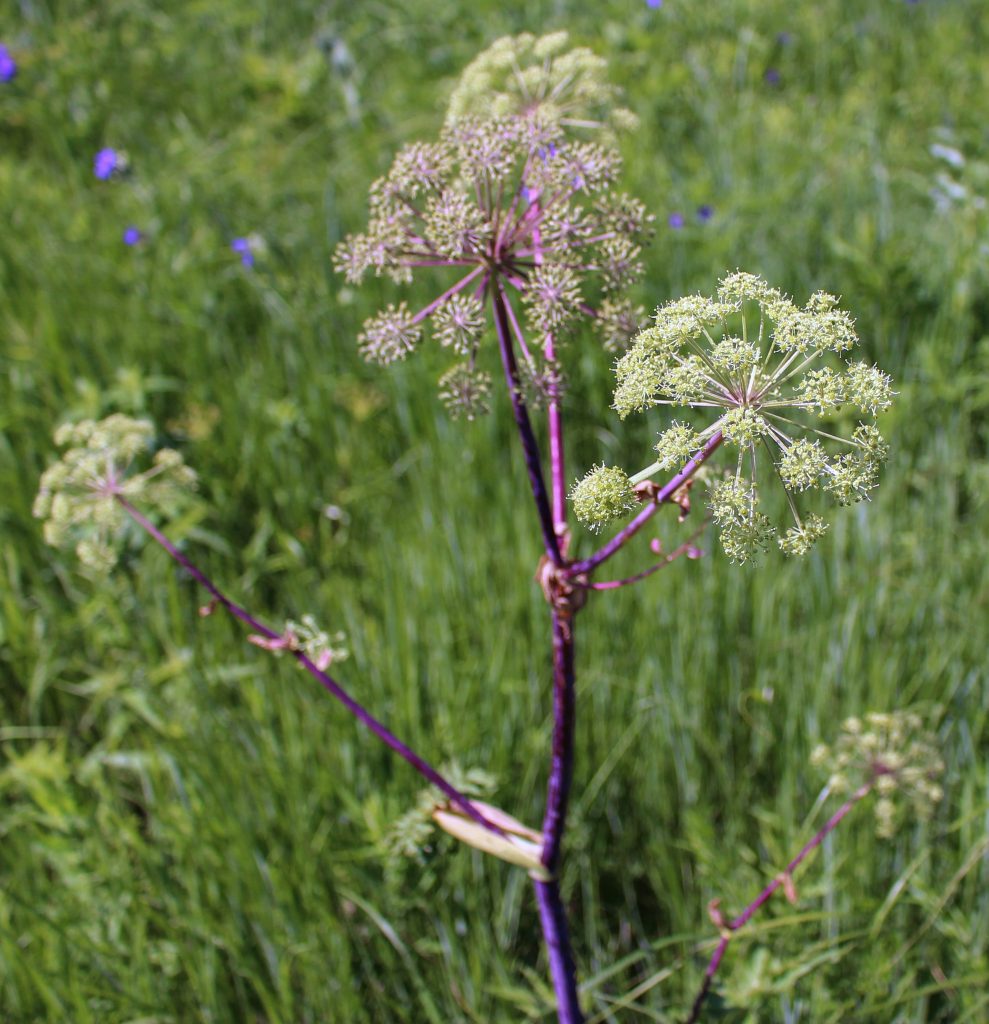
[765, 372]
[895, 753]
[78, 494]
[519, 203]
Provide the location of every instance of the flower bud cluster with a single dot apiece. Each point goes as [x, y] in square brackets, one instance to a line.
[763, 371]
[605, 493]
[78, 494]
[894, 753]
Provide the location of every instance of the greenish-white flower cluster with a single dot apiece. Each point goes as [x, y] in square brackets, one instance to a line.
[895, 754]
[544, 78]
[321, 647]
[605, 493]
[765, 372]
[78, 494]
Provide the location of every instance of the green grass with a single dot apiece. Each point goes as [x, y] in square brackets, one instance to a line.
[191, 830]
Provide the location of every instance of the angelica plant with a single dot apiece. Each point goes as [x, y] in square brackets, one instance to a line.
[515, 206]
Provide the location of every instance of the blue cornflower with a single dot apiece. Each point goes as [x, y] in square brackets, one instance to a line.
[105, 163]
[772, 76]
[676, 220]
[705, 213]
[654, 4]
[243, 246]
[8, 66]
[132, 235]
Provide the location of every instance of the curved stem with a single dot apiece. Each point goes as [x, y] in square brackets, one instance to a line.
[620, 538]
[359, 711]
[686, 548]
[530, 449]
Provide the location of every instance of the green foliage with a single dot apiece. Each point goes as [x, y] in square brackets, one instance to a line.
[191, 829]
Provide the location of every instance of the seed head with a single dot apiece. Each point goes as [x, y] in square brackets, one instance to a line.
[458, 323]
[391, 334]
[464, 391]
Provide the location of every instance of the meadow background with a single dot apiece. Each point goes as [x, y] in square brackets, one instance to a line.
[191, 830]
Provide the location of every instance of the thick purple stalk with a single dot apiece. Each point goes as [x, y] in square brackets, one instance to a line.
[530, 449]
[776, 884]
[422, 767]
[561, 768]
[552, 914]
[553, 918]
[624, 535]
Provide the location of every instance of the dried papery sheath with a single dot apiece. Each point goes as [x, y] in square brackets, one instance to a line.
[773, 381]
[520, 845]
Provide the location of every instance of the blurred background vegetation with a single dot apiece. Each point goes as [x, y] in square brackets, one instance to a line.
[191, 831]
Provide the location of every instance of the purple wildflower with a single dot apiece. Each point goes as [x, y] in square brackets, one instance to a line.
[676, 220]
[243, 246]
[705, 213]
[784, 38]
[132, 235]
[772, 76]
[105, 163]
[8, 66]
[654, 4]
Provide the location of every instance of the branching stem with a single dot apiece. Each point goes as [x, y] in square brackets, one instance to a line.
[623, 536]
[782, 880]
[421, 766]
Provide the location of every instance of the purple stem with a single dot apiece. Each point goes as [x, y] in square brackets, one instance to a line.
[554, 417]
[561, 768]
[620, 538]
[553, 918]
[448, 294]
[684, 549]
[517, 331]
[552, 913]
[777, 883]
[530, 448]
[379, 730]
